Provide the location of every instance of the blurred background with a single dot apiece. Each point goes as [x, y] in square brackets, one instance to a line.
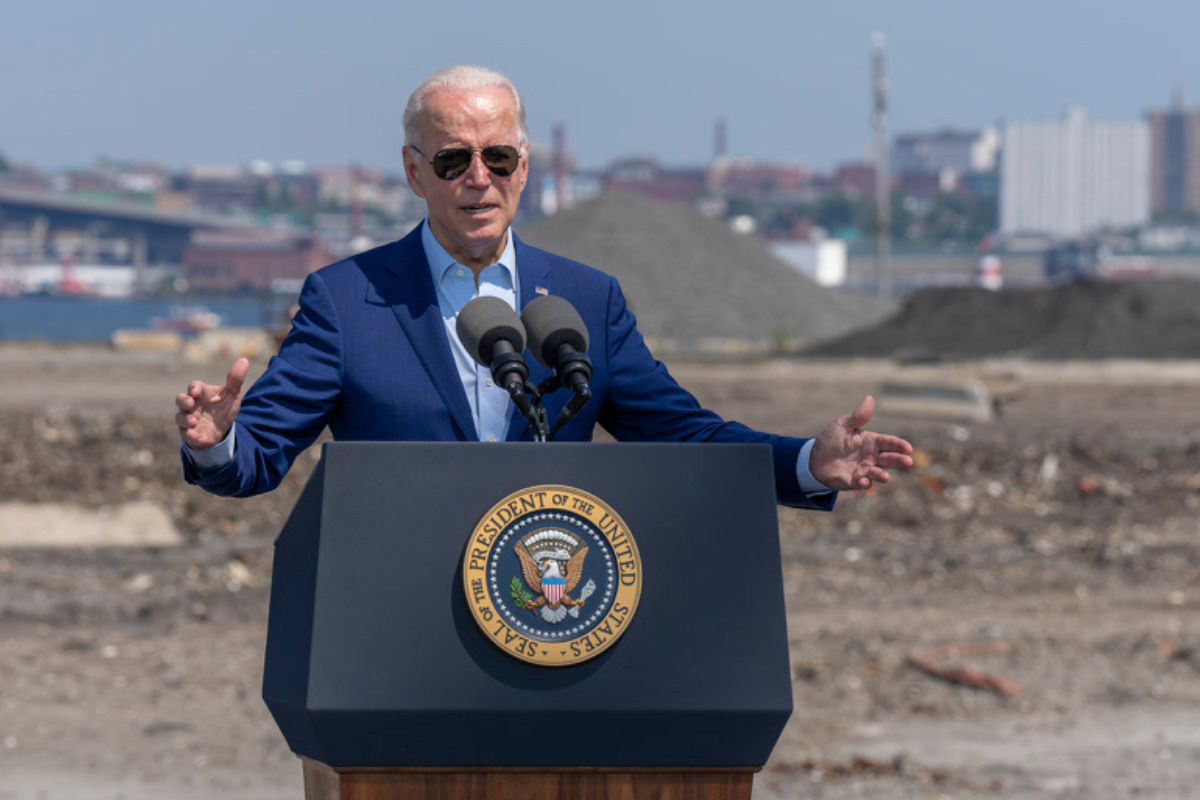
[986, 216]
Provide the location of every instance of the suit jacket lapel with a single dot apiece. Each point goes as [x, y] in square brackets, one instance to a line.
[414, 302]
[533, 273]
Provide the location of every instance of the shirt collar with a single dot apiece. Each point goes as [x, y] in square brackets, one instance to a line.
[440, 259]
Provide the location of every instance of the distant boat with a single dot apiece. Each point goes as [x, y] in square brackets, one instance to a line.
[69, 285]
[187, 319]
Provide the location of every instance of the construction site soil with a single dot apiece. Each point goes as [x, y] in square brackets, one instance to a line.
[690, 279]
[1047, 559]
[1086, 320]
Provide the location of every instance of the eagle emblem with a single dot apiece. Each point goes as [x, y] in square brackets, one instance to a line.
[552, 565]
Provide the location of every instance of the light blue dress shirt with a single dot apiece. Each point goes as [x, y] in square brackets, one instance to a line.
[491, 408]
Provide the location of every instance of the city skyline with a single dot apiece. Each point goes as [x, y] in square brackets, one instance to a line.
[230, 83]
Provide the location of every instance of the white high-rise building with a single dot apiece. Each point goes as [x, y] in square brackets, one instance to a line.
[1074, 176]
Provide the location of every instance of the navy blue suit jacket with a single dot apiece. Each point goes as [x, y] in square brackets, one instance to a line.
[368, 356]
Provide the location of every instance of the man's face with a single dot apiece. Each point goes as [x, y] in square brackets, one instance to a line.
[469, 214]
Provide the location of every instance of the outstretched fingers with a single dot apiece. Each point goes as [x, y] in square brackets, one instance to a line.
[877, 475]
[865, 476]
[895, 444]
[894, 460]
[890, 453]
[893, 452]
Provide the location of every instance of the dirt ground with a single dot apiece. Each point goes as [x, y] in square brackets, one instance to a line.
[1058, 545]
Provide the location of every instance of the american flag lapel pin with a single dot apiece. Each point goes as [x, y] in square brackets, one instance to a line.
[542, 290]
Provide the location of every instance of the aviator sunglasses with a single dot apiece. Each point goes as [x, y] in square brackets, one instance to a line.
[500, 159]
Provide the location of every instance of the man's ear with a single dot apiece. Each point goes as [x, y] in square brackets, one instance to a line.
[523, 170]
[411, 173]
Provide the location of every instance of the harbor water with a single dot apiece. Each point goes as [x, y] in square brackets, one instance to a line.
[89, 319]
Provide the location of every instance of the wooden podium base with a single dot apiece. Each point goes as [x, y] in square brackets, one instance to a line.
[323, 782]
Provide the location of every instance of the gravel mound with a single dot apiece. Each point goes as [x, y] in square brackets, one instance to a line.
[1130, 319]
[687, 276]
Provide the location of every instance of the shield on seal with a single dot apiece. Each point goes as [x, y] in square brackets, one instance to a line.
[553, 587]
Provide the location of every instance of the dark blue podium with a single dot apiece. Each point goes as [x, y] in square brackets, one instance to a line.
[381, 680]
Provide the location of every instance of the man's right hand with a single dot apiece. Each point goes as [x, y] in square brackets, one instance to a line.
[206, 412]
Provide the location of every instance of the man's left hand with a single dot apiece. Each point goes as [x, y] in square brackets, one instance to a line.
[846, 457]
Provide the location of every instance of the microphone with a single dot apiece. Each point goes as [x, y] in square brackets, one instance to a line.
[558, 340]
[494, 336]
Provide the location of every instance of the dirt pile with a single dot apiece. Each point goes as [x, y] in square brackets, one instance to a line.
[1129, 319]
[687, 276]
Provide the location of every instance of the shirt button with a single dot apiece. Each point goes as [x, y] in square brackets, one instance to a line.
[489, 382]
[459, 273]
[491, 438]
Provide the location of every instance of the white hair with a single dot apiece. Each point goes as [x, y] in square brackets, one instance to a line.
[461, 79]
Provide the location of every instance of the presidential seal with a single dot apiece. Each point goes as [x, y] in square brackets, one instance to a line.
[552, 575]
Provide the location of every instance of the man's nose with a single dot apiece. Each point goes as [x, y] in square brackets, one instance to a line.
[477, 173]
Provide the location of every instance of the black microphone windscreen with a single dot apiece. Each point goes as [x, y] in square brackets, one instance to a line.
[485, 321]
[552, 322]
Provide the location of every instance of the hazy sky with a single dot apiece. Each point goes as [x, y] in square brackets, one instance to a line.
[224, 82]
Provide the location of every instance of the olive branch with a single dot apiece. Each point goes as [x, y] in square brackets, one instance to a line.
[521, 597]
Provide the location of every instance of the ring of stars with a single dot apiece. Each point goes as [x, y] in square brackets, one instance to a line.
[520, 623]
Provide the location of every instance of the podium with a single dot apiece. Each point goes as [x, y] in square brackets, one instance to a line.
[381, 680]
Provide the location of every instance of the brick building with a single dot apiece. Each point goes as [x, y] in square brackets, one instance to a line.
[649, 178]
[760, 182]
[251, 260]
[856, 180]
[1175, 159]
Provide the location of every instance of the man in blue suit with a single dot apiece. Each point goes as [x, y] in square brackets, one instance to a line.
[372, 352]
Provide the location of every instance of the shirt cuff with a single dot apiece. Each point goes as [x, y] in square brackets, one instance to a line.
[808, 484]
[220, 454]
